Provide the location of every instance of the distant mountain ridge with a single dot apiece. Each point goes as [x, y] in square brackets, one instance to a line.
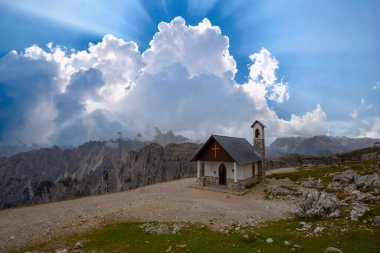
[317, 145]
[7, 150]
[96, 167]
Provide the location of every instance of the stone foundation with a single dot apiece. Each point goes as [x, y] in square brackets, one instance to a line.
[201, 181]
[211, 180]
[231, 185]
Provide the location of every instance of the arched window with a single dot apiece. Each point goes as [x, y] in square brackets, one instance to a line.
[257, 133]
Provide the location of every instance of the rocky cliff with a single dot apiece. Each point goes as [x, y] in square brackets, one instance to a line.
[92, 168]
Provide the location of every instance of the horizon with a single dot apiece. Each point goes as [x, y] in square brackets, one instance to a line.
[75, 72]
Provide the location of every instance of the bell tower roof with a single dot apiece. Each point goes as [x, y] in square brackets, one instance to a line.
[258, 122]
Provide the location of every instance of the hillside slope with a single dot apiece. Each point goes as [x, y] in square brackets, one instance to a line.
[92, 168]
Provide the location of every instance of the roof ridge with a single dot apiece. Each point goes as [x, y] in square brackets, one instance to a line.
[229, 136]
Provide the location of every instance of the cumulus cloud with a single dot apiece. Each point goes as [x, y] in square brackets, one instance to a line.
[263, 80]
[373, 131]
[184, 81]
[200, 49]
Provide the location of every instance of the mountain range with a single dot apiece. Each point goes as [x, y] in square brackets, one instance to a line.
[317, 145]
[99, 167]
[96, 167]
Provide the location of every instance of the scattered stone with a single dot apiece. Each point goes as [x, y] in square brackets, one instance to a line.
[269, 240]
[305, 226]
[286, 179]
[377, 221]
[169, 249]
[367, 181]
[346, 177]
[246, 236]
[61, 250]
[319, 184]
[309, 183]
[78, 245]
[358, 210]
[162, 229]
[350, 189]
[334, 185]
[335, 214]
[177, 228]
[286, 243]
[333, 250]
[281, 190]
[316, 204]
[181, 246]
[312, 183]
[318, 229]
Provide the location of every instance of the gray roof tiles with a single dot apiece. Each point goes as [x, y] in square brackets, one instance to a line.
[241, 151]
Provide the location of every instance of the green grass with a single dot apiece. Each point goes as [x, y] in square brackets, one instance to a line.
[129, 237]
[325, 173]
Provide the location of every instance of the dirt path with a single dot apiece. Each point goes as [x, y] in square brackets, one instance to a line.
[171, 201]
[281, 170]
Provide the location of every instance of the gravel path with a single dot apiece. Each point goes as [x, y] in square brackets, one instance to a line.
[171, 201]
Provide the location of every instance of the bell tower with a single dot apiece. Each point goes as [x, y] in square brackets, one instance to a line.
[259, 145]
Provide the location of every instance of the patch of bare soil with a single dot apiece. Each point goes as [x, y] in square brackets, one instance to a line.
[174, 201]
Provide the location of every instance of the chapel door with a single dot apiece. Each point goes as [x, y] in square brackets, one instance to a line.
[222, 174]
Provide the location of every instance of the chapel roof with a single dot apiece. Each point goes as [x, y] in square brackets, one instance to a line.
[240, 150]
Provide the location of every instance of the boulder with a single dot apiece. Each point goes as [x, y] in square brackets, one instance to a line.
[319, 184]
[334, 185]
[358, 210]
[311, 183]
[377, 221]
[366, 181]
[346, 177]
[281, 190]
[336, 213]
[316, 204]
[333, 250]
[318, 229]
[78, 245]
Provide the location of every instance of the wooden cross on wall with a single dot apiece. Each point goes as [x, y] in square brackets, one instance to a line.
[215, 148]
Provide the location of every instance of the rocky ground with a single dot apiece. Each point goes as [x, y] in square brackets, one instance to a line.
[334, 203]
[174, 201]
[347, 191]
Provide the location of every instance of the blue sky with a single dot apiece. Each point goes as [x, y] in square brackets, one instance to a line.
[328, 51]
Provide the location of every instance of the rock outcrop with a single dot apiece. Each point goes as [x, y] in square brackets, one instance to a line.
[92, 168]
[313, 203]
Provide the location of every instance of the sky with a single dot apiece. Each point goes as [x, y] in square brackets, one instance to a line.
[73, 71]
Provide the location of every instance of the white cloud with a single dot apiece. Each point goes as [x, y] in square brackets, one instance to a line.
[200, 49]
[184, 82]
[354, 114]
[263, 80]
[373, 131]
[376, 86]
[361, 108]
